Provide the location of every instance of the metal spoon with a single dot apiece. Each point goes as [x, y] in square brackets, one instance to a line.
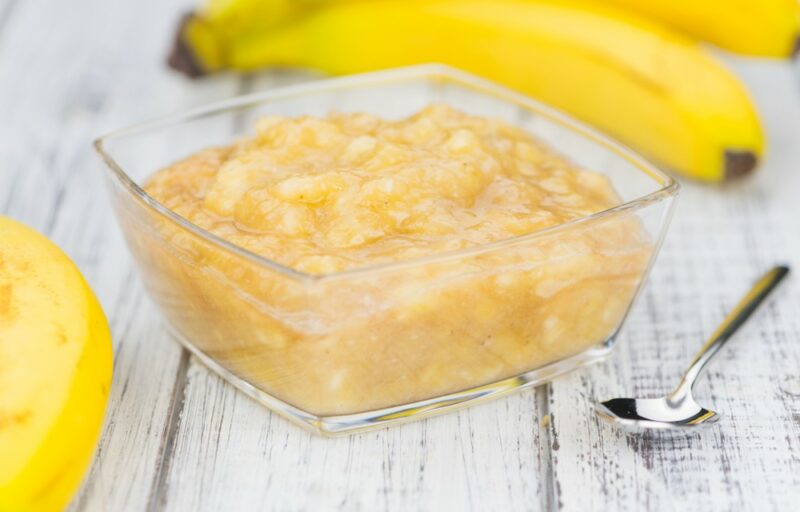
[678, 409]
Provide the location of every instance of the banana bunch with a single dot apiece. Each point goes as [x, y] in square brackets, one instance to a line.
[55, 372]
[653, 88]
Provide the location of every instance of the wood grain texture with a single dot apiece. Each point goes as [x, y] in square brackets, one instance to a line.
[70, 71]
[179, 438]
[719, 242]
[232, 454]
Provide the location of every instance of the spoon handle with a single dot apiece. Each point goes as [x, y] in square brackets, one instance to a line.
[729, 326]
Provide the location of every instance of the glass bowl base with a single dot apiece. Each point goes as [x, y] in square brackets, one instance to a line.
[381, 418]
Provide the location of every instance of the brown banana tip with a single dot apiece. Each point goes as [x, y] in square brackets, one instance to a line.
[182, 58]
[795, 48]
[739, 163]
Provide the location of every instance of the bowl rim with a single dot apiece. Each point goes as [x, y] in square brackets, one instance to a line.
[669, 186]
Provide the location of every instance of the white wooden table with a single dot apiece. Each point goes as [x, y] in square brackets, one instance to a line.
[178, 438]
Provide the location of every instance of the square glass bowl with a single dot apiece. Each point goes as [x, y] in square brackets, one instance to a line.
[392, 342]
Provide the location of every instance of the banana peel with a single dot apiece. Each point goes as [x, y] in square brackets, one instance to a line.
[764, 28]
[55, 376]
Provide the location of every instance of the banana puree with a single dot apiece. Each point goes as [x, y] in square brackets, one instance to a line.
[348, 191]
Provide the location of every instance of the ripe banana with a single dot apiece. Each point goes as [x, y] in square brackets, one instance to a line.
[767, 28]
[55, 375]
[226, 20]
[652, 89]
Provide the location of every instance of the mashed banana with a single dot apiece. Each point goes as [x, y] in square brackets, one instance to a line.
[323, 195]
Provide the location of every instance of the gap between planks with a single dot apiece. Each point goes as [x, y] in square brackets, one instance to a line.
[546, 439]
[157, 498]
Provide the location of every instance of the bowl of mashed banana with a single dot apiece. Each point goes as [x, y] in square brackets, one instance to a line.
[365, 250]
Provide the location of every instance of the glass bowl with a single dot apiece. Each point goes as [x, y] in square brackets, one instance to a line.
[392, 342]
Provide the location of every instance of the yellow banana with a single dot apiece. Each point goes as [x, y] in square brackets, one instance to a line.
[219, 21]
[769, 28]
[55, 374]
[654, 90]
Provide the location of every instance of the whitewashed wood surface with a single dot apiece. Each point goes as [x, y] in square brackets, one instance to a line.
[178, 438]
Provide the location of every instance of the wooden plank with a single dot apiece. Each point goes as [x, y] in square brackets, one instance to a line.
[232, 454]
[70, 71]
[720, 240]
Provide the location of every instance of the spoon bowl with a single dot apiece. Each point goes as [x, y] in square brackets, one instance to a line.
[646, 413]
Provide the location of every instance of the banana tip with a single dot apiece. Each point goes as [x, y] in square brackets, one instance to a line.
[796, 48]
[739, 163]
[181, 57]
